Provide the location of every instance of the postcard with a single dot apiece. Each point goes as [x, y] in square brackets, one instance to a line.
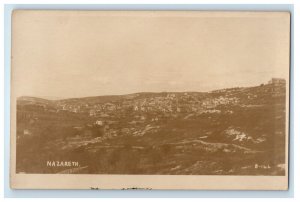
[150, 100]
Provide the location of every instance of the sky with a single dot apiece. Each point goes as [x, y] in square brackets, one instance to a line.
[64, 54]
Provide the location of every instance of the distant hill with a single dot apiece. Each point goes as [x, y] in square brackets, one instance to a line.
[33, 100]
[237, 92]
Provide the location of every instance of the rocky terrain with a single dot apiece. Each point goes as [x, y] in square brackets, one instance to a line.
[236, 131]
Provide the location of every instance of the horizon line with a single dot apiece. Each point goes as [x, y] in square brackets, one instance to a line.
[57, 98]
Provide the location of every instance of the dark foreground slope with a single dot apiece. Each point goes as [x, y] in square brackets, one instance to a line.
[237, 131]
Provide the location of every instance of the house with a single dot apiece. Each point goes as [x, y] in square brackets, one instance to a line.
[78, 127]
[110, 106]
[277, 81]
[92, 112]
[27, 132]
[136, 108]
[99, 123]
[178, 109]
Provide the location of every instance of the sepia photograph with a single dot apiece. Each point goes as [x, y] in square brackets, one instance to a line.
[150, 99]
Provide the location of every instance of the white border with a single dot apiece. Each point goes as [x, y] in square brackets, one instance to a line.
[296, 63]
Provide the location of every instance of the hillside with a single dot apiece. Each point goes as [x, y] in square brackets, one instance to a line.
[228, 131]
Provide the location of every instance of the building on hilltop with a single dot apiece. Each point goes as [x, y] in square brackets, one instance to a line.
[277, 81]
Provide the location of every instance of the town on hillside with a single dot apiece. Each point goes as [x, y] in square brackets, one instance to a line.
[233, 131]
